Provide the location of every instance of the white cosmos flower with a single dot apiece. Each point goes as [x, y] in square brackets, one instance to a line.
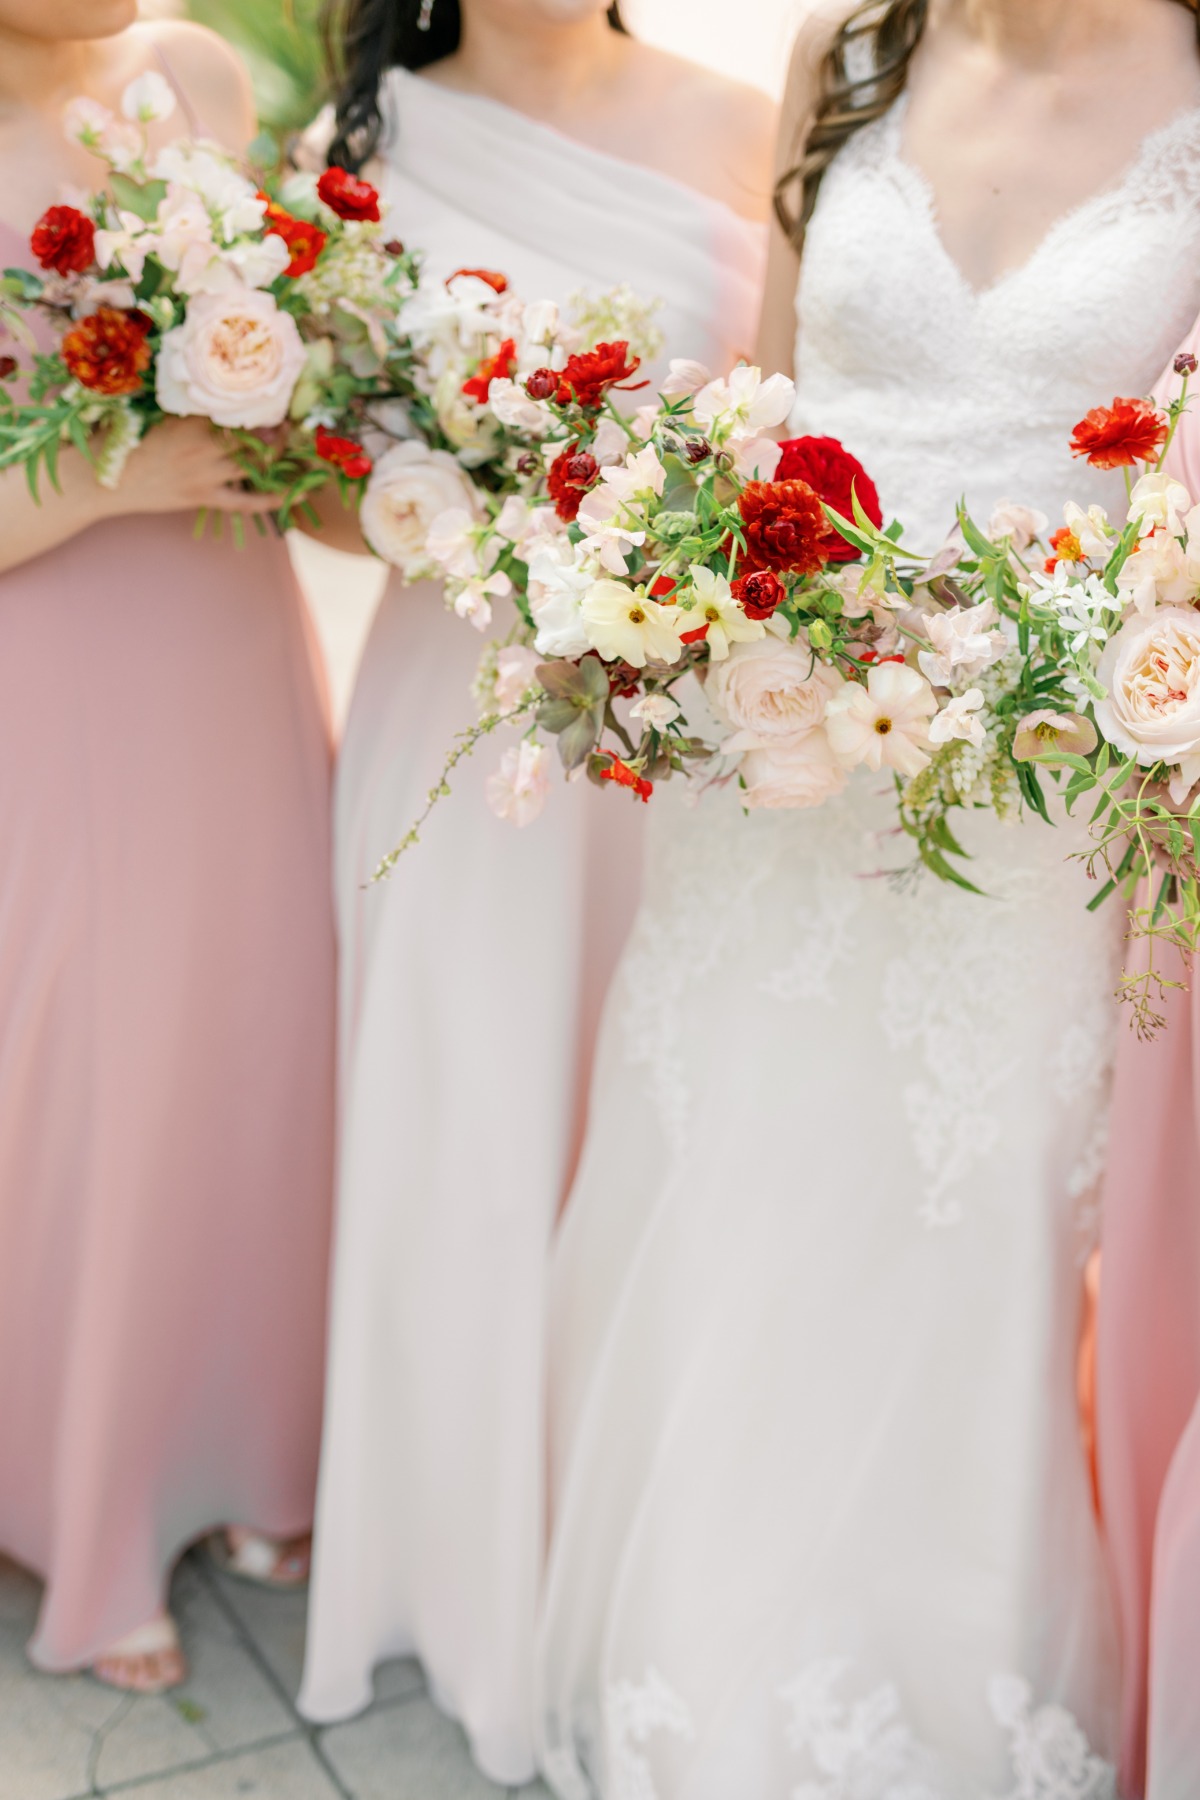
[958, 719]
[717, 609]
[519, 788]
[743, 402]
[148, 100]
[884, 724]
[624, 624]
[965, 643]
[656, 711]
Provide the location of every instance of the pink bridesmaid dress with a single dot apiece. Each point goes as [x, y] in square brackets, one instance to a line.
[1148, 1363]
[166, 1061]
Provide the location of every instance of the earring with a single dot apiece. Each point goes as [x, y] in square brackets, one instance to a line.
[425, 20]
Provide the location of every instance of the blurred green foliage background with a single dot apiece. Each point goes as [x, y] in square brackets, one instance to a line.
[281, 45]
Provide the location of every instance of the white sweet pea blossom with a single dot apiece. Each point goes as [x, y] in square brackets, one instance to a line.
[519, 789]
[148, 100]
[610, 444]
[958, 719]
[85, 122]
[624, 624]
[452, 543]
[744, 403]
[516, 674]
[645, 419]
[641, 476]
[513, 407]
[717, 609]
[754, 458]
[1159, 502]
[656, 711]
[557, 585]
[130, 245]
[473, 600]
[1022, 524]
[539, 323]
[1091, 529]
[1162, 571]
[607, 537]
[684, 376]
[965, 643]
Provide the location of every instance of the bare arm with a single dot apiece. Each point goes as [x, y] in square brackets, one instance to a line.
[776, 350]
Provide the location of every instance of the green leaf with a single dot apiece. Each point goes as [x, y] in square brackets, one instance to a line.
[138, 197]
[936, 863]
[939, 833]
[578, 741]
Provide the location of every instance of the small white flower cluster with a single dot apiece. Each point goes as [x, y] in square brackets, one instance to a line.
[617, 316]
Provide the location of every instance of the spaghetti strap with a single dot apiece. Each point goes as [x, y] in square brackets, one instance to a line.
[195, 124]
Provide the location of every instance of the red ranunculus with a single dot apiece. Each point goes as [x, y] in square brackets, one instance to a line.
[758, 594]
[305, 242]
[64, 239]
[1120, 435]
[493, 368]
[568, 480]
[349, 197]
[108, 352]
[835, 477]
[492, 277]
[624, 776]
[346, 454]
[785, 527]
[588, 376]
[542, 384]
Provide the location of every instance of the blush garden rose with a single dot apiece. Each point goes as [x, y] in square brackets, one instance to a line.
[236, 360]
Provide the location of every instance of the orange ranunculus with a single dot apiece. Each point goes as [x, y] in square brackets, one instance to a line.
[108, 351]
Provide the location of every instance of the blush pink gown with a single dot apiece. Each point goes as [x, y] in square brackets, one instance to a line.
[166, 1061]
[1148, 1363]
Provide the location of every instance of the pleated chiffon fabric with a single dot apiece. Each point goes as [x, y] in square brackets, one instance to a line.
[472, 983]
[166, 1062]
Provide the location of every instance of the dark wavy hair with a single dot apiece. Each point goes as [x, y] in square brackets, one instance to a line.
[363, 40]
[863, 73]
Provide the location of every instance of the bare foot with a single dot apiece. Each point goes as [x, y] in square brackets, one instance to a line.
[270, 1562]
[148, 1661]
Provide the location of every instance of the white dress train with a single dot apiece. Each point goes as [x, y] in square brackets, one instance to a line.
[821, 1522]
[472, 984]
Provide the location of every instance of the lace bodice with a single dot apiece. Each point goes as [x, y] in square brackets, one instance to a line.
[939, 387]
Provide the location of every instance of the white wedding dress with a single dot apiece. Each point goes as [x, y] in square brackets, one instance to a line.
[471, 988]
[822, 1525]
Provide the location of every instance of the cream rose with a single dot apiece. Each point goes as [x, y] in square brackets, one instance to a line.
[236, 360]
[792, 775]
[772, 693]
[1151, 668]
[409, 488]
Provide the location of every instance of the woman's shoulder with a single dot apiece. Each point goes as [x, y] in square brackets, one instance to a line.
[723, 130]
[210, 72]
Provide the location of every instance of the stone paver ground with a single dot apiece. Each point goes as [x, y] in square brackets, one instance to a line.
[232, 1733]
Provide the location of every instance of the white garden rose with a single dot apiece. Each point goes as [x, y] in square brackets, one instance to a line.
[1151, 668]
[772, 693]
[806, 773]
[235, 360]
[409, 488]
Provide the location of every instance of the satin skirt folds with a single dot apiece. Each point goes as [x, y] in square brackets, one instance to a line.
[470, 983]
[166, 1069]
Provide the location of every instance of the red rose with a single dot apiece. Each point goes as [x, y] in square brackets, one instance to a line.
[493, 368]
[589, 376]
[344, 453]
[108, 352]
[493, 278]
[624, 776]
[304, 241]
[349, 197]
[835, 477]
[758, 594]
[64, 239]
[1117, 436]
[568, 480]
[785, 527]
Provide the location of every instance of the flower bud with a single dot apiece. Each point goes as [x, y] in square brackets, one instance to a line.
[542, 384]
[1185, 363]
[697, 450]
[8, 366]
[819, 635]
[394, 247]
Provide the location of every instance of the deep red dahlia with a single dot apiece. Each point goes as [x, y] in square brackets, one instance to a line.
[349, 197]
[493, 368]
[835, 477]
[589, 376]
[1120, 435]
[108, 352]
[64, 239]
[758, 594]
[785, 527]
[568, 479]
[346, 454]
